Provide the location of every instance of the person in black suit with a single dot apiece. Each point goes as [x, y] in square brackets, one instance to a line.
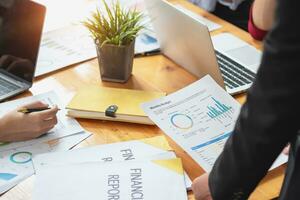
[267, 122]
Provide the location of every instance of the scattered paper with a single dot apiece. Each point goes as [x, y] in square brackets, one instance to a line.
[66, 126]
[148, 180]
[16, 164]
[63, 47]
[199, 118]
[122, 151]
[282, 159]
[73, 44]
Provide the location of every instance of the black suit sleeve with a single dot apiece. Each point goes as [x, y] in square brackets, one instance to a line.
[270, 117]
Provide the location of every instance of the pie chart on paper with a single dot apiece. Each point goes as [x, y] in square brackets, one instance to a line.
[182, 121]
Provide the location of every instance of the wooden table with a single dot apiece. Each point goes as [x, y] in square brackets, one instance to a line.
[156, 73]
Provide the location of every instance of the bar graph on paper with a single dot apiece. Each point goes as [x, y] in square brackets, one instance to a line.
[219, 111]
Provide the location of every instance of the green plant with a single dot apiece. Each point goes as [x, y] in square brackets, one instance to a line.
[118, 27]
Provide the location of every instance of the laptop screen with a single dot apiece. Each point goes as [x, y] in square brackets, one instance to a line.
[21, 24]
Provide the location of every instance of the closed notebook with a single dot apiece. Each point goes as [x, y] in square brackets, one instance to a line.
[92, 102]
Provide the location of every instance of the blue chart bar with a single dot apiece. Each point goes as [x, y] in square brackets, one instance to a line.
[7, 176]
[225, 135]
[218, 110]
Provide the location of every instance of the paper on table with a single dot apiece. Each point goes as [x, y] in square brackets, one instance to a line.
[282, 159]
[66, 126]
[199, 118]
[122, 151]
[68, 142]
[172, 155]
[146, 44]
[63, 47]
[210, 24]
[16, 164]
[73, 44]
[148, 180]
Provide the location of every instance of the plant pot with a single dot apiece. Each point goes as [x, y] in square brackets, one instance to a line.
[115, 62]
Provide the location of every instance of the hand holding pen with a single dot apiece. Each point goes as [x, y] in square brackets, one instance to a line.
[27, 122]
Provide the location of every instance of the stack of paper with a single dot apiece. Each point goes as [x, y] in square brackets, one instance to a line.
[147, 180]
[15, 158]
[112, 159]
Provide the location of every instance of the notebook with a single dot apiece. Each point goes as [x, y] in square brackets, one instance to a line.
[93, 101]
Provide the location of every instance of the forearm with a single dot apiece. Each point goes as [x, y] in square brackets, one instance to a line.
[263, 13]
[2, 128]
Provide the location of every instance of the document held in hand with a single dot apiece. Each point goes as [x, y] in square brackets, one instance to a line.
[134, 180]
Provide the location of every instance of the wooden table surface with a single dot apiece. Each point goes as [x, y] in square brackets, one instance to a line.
[155, 73]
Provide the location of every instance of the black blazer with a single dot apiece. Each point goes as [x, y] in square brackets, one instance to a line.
[269, 119]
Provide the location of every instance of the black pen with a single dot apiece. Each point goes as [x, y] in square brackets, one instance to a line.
[149, 53]
[31, 110]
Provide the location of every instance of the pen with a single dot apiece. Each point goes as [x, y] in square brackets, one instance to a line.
[31, 110]
[150, 53]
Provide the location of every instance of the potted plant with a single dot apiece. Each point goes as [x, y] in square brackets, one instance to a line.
[114, 32]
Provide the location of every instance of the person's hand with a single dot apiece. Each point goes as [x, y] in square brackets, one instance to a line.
[201, 189]
[17, 66]
[286, 150]
[16, 126]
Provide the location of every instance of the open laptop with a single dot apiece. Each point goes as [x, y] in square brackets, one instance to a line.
[232, 63]
[21, 24]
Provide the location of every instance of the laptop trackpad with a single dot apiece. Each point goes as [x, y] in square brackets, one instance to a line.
[246, 55]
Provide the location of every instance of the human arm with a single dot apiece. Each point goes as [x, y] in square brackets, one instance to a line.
[263, 12]
[16, 126]
[261, 18]
[200, 188]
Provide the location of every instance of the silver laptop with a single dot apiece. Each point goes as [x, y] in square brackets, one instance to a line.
[232, 63]
[21, 24]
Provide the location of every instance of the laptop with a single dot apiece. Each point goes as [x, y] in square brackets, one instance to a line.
[231, 62]
[21, 24]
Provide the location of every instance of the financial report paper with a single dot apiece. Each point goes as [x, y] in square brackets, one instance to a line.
[200, 118]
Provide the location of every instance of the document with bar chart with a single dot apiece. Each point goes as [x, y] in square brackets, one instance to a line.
[200, 118]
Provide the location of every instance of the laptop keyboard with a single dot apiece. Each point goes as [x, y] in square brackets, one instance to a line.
[234, 74]
[7, 87]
